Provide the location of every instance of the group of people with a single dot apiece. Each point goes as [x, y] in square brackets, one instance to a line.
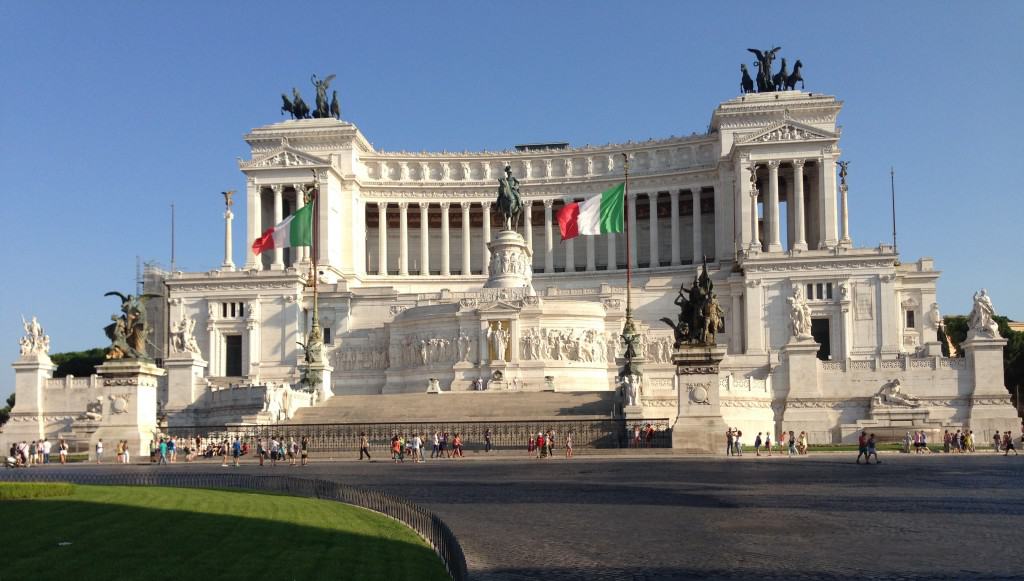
[442, 445]
[795, 445]
[23, 454]
[543, 445]
[643, 437]
[867, 447]
[296, 453]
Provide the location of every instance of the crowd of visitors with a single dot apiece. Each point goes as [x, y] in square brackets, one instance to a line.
[24, 454]
[787, 442]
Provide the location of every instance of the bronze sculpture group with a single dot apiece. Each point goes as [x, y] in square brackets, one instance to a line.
[700, 316]
[129, 331]
[766, 81]
[298, 109]
[509, 203]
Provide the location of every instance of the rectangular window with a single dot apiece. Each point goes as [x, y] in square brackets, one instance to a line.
[819, 288]
[327, 335]
[232, 309]
[810, 291]
[910, 319]
[241, 309]
[224, 310]
[828, 290]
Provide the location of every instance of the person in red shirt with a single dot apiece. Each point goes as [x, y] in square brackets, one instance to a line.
[862, 447]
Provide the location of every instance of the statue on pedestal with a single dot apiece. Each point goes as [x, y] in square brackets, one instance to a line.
[498, 337]
[509, 203]
[35, 340]
[981, 322]
[891, 395]
[766, 81]
[129, 331]
[631, 388]
[800, 314]
[700, 315]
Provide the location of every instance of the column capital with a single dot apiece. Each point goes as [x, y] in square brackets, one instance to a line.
[277, 188]
[773, 164]
[403, 205]
[696, 190]
[548, 203]
[250, 181]
[382, 205]
[445, 205]
[466, 205]
[799, 162]
[527, 203]
[298, 187]
[423, 205]
[486, 205]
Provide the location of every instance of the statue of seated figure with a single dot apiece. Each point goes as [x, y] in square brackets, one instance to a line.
[891, 395]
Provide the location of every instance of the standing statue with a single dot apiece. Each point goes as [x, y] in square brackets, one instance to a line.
[499, 340]
[800, 314]
[129, 332]
[981, 322]
[842, 172]
[631, 388]
[700, 315]
[183, 338]
[746, 83]
[322, 105]
[509, 202]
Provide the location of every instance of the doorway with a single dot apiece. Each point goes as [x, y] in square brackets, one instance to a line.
[822, 332]
[233, 355]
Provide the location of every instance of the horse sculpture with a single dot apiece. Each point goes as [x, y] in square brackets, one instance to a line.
[779, 79]
[795, 76]
[509, 202]
[335, 107]
[746, 83]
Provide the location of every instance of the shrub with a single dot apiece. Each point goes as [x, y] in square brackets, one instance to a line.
[28, 490]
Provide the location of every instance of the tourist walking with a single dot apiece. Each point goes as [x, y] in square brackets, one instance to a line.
[1008, 444]
[417, 443]
[768, 442]
[364, 446]
[872, 451]
[163, 452]
[568, 445]
[802, 444]
[119, 451]
[531, 445]
[304, 449]
[435, 445]
[396, 449]
[63, 450]
[99, 451]
[737, 444]
[46, 450]
[996, 442]
[729, 441]
[293, 451]
[487, 440]
[907, 441]
[862, 446]
[236, 451]
[792, 443]
[757, 444]
[172, 450]
[457, 446]
[261, 451]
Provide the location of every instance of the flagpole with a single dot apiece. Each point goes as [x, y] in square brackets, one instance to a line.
[629, 253]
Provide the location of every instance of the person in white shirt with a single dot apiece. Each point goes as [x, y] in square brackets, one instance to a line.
[437, 445]
[47, 446]
[417, 443]
[99, 451]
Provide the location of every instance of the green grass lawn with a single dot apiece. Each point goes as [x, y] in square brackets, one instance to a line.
[188, 534]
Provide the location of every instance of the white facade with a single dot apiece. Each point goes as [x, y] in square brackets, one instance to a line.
[403, 253]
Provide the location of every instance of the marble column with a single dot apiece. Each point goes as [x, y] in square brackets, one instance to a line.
[698, 227]
[486, 236]
[570, 252]
[254, 213]
[466, 269]
[772, 208]
[652, 200]
[278, 263]
[612, 263]
[549, 242]
[446, 266]
[403, 238]
[827, 201]
[736, 317]
[755, 235]
[528, 223]
[799, 222]
[844, 239]
[300, 253]
[591, 253]
[229, 216]
[674, 198]
[632, 230]
[382, 238]
[425, 238]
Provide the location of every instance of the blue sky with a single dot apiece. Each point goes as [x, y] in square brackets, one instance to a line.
[111, 111]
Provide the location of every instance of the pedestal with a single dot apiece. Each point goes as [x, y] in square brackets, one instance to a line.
[699, 427]
[129, 407]
[27, 423]
[633, 412]
[511, 262]
[802, 373]
[991, 407]
[324, 390]
[184, 374]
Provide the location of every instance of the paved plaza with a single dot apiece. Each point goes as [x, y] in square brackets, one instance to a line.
[665, 517]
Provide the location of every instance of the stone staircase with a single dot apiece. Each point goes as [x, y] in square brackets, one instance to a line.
[459, 407]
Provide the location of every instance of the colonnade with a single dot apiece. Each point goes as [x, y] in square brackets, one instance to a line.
[545, 256]
[256, 224]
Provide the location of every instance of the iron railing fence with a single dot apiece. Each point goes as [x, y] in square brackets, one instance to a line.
[330, 440]
[428, 525]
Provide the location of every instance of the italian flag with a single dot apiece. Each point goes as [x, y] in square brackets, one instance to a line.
[599, 215]
[295, 230]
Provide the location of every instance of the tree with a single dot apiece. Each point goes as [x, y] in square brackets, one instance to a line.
[78, 363]
[5, 412]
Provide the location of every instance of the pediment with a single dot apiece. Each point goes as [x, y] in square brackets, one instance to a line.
[786, 131]
[285, 157]
[499, 307]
